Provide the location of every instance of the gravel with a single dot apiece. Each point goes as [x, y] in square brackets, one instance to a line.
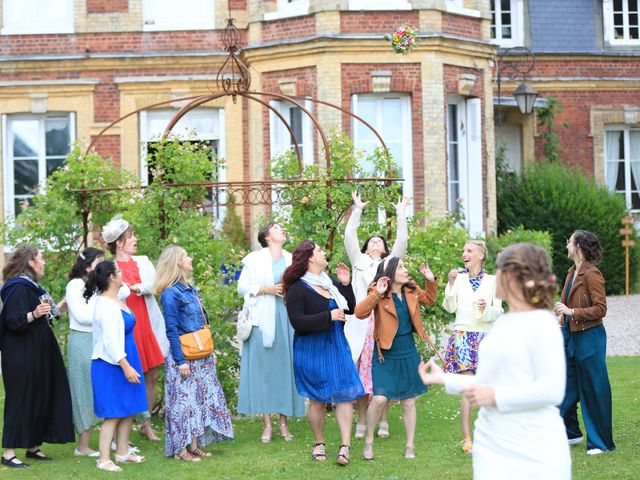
[623, 325]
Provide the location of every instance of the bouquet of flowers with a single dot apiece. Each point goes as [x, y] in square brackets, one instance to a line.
[403, 39]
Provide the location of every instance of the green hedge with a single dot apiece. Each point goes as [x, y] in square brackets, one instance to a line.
[559, 200]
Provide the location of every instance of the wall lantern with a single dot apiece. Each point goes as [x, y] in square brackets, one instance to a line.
[521, 62]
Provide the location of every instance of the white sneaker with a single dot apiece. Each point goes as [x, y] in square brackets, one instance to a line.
[574, 441]
[93, 454]
[594, 451]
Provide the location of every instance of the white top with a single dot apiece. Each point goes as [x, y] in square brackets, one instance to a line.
[108, 331]
[523, 436]
[364, 269]
[460, 298]
[257, 271]
[80, 311]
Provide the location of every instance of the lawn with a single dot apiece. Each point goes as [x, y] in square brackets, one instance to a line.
[438, 455]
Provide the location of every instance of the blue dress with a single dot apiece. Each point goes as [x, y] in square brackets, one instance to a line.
[266, 374]
[396, 377]
[113, 395]
[322, 365]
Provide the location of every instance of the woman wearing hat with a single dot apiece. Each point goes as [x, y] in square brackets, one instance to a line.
[139, 274]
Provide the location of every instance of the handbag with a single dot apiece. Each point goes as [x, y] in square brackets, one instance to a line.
[244, 324]
[198, 344]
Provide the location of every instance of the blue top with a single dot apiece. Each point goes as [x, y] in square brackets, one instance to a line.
[181, 305]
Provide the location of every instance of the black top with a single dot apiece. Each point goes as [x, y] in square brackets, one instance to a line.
[309, 311]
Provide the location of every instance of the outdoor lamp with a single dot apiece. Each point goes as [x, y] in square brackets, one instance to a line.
[525, 98]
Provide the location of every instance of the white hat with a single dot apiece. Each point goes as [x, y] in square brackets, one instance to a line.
[112, 230]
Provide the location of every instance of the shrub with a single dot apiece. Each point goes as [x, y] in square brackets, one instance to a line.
[559, 200]
[519, 234]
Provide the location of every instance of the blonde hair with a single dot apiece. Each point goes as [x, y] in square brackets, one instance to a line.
[483, 248]
[169, 271]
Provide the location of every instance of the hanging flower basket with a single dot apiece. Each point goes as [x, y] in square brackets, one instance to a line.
[404, 39]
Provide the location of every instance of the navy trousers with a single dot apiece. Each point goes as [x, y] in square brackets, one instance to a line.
[588, 383]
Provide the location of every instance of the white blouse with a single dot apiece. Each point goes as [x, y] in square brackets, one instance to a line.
[80, 311]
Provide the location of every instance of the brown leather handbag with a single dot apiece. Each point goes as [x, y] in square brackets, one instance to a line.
[198, 344]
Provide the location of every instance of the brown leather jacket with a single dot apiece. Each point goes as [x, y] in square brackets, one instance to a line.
[587, 297]
[386, 318]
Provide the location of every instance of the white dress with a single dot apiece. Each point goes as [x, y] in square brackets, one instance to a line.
[523, 437]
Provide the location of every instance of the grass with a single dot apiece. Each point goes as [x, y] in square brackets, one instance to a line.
[438, 455]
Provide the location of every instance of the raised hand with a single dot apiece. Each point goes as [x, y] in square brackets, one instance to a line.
[343, 274]
[426, 272]
[357, 200]
[453, 274]
[401, 206]
[382, 285]
[430, 373]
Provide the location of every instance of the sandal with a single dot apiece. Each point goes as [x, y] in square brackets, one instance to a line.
[199, 452]
[367, 453]
[38, 455]
[319, 453]
[285, 433]
[467, 445]
[266, 434]
[343, 455]
[108, 466]
[129, 458]
[383, 429]
[361, 429]
[146, 432]
[187, 457]
[409, 452]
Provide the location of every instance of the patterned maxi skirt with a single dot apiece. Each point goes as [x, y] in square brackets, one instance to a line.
[195, 406]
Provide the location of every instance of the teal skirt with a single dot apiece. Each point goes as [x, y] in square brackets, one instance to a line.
[396, 376]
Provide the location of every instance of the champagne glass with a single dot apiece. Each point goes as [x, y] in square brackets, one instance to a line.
[45, 299]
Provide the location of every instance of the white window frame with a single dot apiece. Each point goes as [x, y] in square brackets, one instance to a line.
[625, 129]
[8, 159]
[147, 137]
[609, 29]
[471, 183]
[286, 9]
[379, 5]
[279, 136]
[407, 141]
[517, 25]
[204, 21]
[35, 26]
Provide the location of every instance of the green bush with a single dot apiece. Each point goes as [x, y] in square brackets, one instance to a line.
[559, 200]
[495, 244]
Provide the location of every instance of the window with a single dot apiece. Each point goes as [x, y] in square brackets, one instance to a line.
[300, 123]
[37, 16]
[622, 166]
[379, 5]
[205, 125]
[35, 147]
[508, 138]
[289, 8]
[621, 24]
[507, 22]
[464, 152]
[390, 115]
[183, 15]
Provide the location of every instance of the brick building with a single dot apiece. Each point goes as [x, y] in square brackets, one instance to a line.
[70, 67]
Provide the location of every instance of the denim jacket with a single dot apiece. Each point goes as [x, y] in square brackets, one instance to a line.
[182, 314]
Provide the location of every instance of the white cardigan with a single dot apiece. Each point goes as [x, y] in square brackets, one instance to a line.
[80, 311]
[147, 277]
[257, 271]
[364, 269]
[108, 331]
[459, 299]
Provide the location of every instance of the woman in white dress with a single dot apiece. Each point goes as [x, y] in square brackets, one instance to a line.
[364, 263]
[520, 377]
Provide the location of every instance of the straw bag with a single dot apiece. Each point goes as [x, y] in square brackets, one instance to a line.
[198, 344]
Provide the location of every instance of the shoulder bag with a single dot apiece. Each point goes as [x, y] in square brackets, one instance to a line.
[198, 344]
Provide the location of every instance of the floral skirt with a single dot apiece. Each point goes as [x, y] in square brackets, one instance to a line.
[195, 406]
[462, 351]
[364, 362]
